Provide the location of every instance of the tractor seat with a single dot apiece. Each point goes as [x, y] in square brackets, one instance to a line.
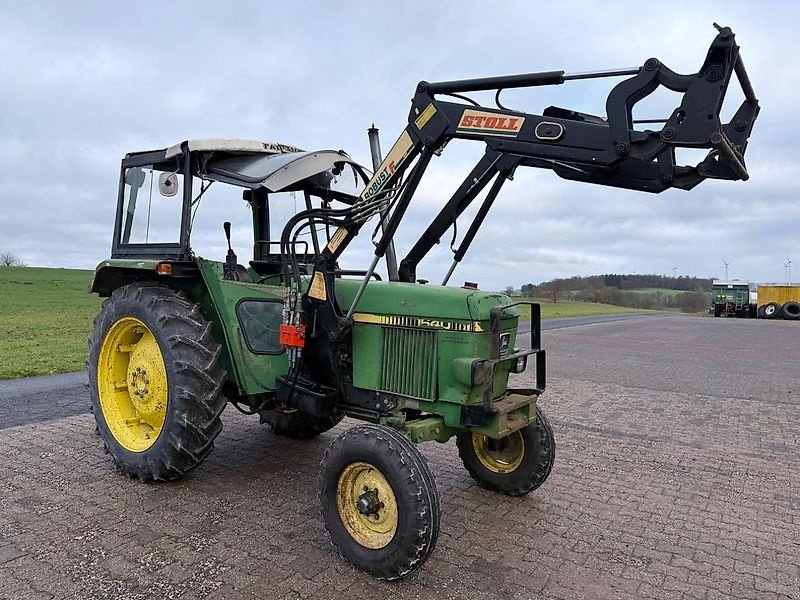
[267, 268]
[242, 274]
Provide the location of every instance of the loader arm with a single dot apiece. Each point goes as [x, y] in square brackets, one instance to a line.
[606, 151]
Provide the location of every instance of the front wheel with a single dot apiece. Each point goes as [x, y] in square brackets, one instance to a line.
[379, 501]
[514, 465]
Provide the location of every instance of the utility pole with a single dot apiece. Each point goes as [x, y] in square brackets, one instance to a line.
[726, 263]
[674, 272]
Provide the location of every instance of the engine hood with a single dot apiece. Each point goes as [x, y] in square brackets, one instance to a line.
[391, 298]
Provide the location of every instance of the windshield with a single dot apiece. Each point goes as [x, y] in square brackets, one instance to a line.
[152, 206]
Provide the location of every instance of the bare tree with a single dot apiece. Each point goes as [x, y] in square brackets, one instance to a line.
[554, 287]
[9, 260]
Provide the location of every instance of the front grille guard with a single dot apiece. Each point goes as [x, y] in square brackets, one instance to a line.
[483, 371]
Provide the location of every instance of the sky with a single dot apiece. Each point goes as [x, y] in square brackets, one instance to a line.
[84, 83]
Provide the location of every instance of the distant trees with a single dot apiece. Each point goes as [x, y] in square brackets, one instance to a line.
[693, 302]
[9, 260]
[553, 288]
[688, 294]
[619, 282]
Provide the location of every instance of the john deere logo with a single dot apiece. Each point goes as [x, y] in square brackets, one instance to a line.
[505, 340]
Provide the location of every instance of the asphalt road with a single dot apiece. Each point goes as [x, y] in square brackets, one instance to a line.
[562, 322]
[42, 399]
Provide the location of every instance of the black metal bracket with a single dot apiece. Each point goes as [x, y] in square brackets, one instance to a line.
[483, 370]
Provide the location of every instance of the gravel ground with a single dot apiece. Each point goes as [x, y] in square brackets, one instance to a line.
[676, 477]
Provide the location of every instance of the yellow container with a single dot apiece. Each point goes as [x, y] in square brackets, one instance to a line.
[778, 293]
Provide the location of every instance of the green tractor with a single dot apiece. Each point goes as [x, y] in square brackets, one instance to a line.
[301, 342]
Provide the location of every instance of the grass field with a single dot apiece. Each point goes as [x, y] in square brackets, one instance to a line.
[46, 316]
[568, 308]
[662, 291]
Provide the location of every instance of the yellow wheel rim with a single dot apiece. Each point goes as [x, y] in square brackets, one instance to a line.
[499, 456]
[132, 384]
[367, 505]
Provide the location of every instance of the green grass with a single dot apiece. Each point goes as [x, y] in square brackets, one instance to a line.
[45, 318]
[662, 291]
[568, 308]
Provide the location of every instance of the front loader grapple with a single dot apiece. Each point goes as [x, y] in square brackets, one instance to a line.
[303, 343]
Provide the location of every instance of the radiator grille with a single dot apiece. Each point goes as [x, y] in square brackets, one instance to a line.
[409, 362]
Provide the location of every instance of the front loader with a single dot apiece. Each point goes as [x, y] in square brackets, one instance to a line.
[303, 343]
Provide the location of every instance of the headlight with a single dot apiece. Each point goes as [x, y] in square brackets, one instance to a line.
[520, 364]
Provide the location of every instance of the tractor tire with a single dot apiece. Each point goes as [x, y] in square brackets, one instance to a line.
[297, 424]
[717, 310]
[791, 311]
[760, 312]
[772, 310]
[155, 381]
[514, 465]
[379, 501]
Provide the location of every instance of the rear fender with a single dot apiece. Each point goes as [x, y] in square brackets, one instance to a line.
[184, 276]
[112, 274]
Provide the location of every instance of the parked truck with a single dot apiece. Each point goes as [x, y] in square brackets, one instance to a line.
[732, 299]
[779, 301]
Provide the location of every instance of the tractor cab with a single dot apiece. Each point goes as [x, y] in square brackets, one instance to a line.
[161, 192]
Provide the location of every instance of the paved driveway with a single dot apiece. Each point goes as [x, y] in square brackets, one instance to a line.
[676, 477]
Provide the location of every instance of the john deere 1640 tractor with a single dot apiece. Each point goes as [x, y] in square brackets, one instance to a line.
[292, 337]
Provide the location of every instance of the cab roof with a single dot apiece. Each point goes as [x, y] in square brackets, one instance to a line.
[233, 146]
[254, 164]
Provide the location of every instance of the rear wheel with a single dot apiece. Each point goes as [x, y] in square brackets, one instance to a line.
[514, 465]
[155, 381]
[297, 424]
[379, 501]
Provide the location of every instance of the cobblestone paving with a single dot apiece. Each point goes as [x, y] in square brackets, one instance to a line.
[676, 477]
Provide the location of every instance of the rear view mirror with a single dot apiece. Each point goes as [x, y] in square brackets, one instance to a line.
[168, 184]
